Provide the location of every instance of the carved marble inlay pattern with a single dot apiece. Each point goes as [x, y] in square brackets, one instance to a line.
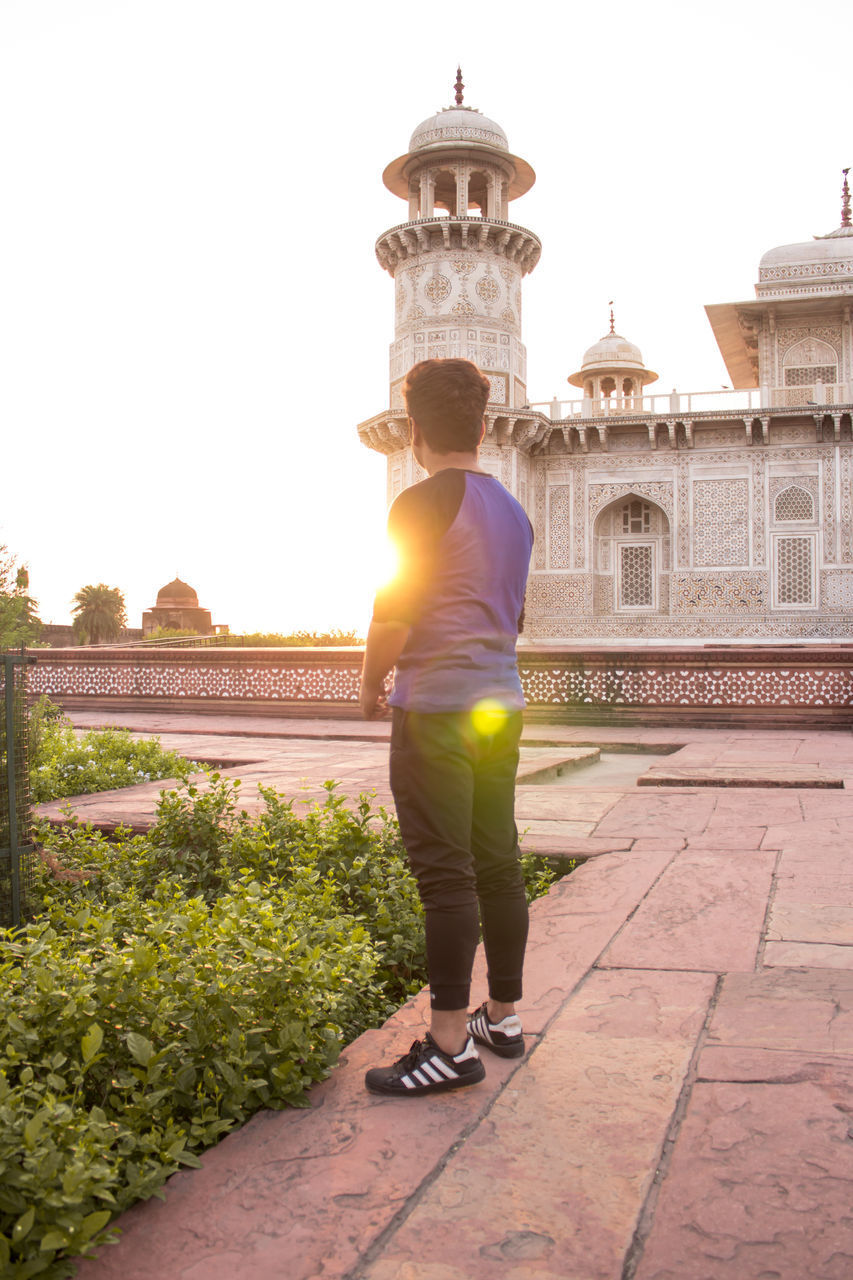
[793, 500]
[498, 393]
[629, 627]
[623, 683]
[558, 592]
[719, 437]
[578, 477]
[488, 289]
[303, 682]
[437, 288]
[795, 572]
[799, 270]
[539, 545]
[846, 485]
[660, 491]
[720, 522]
[836, 589]
[759, 542]
[683, 494]
[786, 338]
[718, 593]
[559, 527]
[829, 509]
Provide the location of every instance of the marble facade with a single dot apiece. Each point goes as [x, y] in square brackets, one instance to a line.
[653, 518]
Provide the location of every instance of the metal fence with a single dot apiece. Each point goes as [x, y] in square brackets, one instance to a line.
[17, 853]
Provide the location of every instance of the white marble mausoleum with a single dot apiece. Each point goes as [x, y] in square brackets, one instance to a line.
[691, 516]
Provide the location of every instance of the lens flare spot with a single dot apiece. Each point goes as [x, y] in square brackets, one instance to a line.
[488, 717]
[387, 566]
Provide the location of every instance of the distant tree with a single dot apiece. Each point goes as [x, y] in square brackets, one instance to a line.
[19, 623]
[99, 614]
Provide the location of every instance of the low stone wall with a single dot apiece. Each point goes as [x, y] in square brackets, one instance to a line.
[712, 686]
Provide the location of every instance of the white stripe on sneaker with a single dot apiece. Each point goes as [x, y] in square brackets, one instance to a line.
[445, 1068]
[434, 1075]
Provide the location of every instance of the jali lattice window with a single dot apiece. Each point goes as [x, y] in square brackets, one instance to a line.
[794, 571]
[636, 581]
[794, 504]
[808, 375]
[636, 517]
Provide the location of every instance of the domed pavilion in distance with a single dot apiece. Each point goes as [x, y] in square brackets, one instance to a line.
[658, 516]
[177, 609]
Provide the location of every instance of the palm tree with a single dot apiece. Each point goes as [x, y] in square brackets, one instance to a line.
[99, 614]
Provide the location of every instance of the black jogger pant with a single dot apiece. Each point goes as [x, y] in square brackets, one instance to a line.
[454, 790]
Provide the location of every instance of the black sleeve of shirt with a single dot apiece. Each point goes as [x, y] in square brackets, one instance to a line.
[417, 521]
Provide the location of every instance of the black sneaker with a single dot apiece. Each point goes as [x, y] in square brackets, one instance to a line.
[426, 1069]
[503, 1038]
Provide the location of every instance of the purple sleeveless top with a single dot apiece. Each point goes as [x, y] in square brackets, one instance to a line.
[466, 608]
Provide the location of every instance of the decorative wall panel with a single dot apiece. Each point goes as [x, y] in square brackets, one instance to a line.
[559, 593]
[559, 526]
[720, 522]
[719, 593]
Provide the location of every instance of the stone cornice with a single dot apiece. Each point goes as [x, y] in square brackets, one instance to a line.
[530, 431]
[410, 239]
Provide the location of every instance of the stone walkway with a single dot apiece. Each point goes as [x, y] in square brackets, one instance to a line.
[685, 1107]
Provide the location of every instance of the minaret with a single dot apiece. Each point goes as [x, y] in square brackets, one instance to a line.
[458, 261]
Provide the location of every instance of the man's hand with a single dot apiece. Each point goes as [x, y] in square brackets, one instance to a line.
[385, 641]
[373, 700]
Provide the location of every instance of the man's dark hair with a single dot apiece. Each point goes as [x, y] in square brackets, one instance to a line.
[447, 399]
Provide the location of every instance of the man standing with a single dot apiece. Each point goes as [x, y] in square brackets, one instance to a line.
[448, 625]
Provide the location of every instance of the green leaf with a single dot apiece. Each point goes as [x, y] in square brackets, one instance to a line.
[142, 1050]
[32, 1129]
[5, 1254]
[24, 1225]
[53, 1240]
[91, 1042]
[91, 1224]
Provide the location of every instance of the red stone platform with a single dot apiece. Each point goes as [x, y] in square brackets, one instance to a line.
[683, 1111]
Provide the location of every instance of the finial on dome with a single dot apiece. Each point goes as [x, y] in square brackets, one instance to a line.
[845, 200]
[612, 326]
[459, 86]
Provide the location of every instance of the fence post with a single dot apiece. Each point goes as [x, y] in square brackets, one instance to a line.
[14, 728]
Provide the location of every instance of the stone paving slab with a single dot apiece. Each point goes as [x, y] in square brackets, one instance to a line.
[810, 922]
[808, 955]
[759, 1185]
[705, 913]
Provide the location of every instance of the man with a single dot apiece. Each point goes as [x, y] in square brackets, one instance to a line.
[448, 625]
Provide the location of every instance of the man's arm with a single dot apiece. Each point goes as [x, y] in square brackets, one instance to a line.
[385, 642]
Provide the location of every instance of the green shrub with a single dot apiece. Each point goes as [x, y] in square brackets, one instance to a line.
[61, 764]
[296, 639]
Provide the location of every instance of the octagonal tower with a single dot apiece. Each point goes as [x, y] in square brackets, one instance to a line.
[458, 262]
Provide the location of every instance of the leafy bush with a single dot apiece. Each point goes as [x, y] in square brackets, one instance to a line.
[296, 639]
[61, 764]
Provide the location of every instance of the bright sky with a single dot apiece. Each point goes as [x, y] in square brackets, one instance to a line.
[192, 318]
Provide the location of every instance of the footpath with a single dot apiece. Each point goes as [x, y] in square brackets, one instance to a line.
[684, 1110]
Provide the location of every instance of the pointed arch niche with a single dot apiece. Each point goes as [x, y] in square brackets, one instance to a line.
[632, 557]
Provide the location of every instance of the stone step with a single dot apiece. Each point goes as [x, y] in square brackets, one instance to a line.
[740, 775]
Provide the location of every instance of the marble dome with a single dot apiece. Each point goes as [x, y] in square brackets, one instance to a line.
[804, 265]
[612, 350]
[177, 593]
[458, 124]
[611, 354]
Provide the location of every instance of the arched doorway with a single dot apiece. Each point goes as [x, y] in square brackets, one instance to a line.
[632, 557]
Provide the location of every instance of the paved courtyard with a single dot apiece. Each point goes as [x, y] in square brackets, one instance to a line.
[685, 1107]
